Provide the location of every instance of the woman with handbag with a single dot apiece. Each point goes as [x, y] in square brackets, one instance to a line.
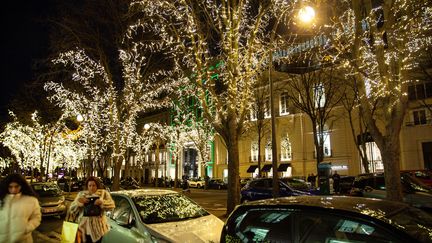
[90, 205]
[20, 212]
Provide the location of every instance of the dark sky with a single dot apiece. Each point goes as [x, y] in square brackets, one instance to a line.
[24, 39]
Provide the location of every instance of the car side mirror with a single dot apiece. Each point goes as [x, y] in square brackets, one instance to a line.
[125, 223]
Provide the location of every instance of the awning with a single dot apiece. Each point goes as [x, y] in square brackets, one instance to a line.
[283, 167]
[252, 168]
[266, 168]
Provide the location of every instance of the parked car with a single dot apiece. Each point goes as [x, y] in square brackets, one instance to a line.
[414, 191]
[346, 184]
[51, 198]
[129, 183]
[424, 176]
[326, 219]
[244, 181]
[157, 215]
[196, 182]
[216, 184]
[262, 188]
[69, 184]
[299, 184]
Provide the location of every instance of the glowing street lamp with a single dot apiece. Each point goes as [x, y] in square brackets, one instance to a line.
[79, 118]
[146, 126]
[306, 14]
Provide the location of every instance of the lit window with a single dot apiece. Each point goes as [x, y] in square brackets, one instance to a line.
[286, 153]
[319, 95]
[268, 150]
[254, 151]
[267, 107]
[283, 104]
[327, 144]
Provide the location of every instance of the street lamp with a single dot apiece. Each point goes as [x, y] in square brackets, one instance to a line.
[80, 118]
[146, 126]
[305, 15]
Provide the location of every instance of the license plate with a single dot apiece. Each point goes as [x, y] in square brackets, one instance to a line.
[49, 210]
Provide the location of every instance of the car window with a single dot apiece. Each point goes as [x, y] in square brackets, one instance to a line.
[324, 227]
[260, 225]
[379, 183]
[297, 184]
[259, 184]
[123, 211]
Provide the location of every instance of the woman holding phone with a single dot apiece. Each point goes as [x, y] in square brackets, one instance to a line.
[90, 205]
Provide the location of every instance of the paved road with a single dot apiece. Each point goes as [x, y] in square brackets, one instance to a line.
[213, 201]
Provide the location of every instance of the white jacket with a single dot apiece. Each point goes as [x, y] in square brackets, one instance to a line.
[19, 216]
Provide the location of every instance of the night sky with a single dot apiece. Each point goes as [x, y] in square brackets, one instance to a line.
[24, 39]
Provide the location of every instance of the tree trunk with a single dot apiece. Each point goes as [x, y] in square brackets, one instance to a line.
[127, 164]
[117, 167]
[233, 198]
[157, 165]
[176, 171]
[391, 158]
[259, 156]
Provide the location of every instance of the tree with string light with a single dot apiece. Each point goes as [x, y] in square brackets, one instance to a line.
[222, 47]
[110, 114]
[41, 146]
[378, 44]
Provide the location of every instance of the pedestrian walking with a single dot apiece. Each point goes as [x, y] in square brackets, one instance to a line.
[90, 205]
[20, 211]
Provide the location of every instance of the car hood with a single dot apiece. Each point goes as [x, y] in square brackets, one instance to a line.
[204, 229]
[51, 201]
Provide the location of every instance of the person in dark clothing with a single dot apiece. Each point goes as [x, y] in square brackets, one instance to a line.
[312, 179]
[336, 182]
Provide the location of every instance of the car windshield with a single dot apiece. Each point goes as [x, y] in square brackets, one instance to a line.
[416, 184]
[167, 208]
[415, 222]
[47, 190]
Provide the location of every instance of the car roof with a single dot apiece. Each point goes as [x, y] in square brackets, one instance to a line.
[367, 206]
[144, 192]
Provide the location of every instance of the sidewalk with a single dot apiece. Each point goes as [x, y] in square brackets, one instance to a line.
[52, 237]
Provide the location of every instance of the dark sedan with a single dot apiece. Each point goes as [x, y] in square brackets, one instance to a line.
[216, 184]
[262, 188]
[327, 219]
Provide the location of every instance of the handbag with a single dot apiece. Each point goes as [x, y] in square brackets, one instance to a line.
[69, 232]
[91, 210]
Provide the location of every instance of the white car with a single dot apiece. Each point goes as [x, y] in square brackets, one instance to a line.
[196, 183]
[156, 215]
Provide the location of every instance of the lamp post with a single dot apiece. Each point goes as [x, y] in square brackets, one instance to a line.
[306, 15]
